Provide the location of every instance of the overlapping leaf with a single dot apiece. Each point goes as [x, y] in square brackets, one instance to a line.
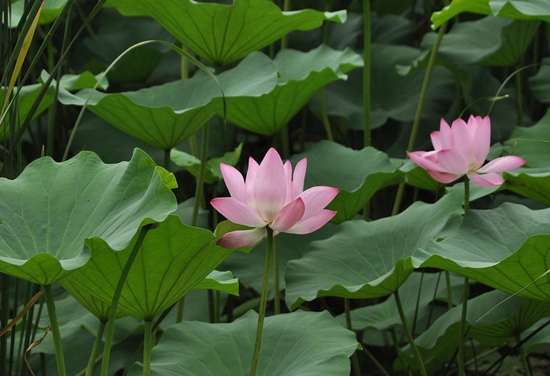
[164, 116]
[518, 9]
[532, 144]
[367, 259]
[493, 319]
[173, 259]
[505, 248]
[505, 41]
[52, 209]
[223, 33]
[298, 343]
[302, 74]
[359, 174]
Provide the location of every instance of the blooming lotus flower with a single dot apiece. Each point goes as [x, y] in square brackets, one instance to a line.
[461, 149]
[271, 196]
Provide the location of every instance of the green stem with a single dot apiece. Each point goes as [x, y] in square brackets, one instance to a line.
[263, 303]
[116, 297]
[449, 289]
[366, 72]
[55, 331]
[414, 349]
[147, 346]
[465, 293]
[95, 349]
[277, 291]
[284, 135]
[524, 361]
[466, 194]
[518, 98]
[354, 359]
[375, 361]
[200, 176]
[461, 358]
[198, 198]
[419, 108]
[324, 115]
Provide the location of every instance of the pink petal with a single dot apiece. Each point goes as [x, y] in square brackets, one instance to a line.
[242, 238]
[237, 211]
[234, 182]
[253, 167]
[269, 186]
[502, 164]
[288, 182]
[312, 223]
[463, 141]
[299, 178]
[443, 177]
[426, 160]
[442, 139]
[491, 179]
[452, 161]
[317, 198]
[289, 216]
[481, 139]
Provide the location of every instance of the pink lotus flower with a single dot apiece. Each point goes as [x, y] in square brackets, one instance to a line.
[272, 197]
[461, 149]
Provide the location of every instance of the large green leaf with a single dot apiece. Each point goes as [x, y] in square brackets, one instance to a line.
[298, 343]
[173, 259]
[52, 209]
[505, 248]
[504, 43]
[518, 9]
[222, 33]
[302, 74]
[367, 259]
[531, 143]
[166, 115]
[359, 174]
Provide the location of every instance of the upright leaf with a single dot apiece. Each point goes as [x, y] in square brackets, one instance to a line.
[223, 33]
[52, 209]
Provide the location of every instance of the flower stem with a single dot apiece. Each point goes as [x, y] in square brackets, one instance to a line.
[147, 346]
[366, 72]
[55, 331]
[277, 301]
[524, 361]
[198, 198]
[465, 293]
[95, 349]
[419, 108]
[263, 303]
[354, 359]
[414, 349]
[116, 297]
